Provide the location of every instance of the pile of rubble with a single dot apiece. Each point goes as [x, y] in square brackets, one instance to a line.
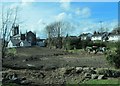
[88, 73]
[60, 75]
[14, 78]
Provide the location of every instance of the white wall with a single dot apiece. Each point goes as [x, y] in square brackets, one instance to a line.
[114, 38]
[21, 44]
[96, 38]
[83, 38]
[10, 44]
[24, 44]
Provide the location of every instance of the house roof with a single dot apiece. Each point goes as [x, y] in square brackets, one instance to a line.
[18, 35]
[86, 35]
[30, 32]
[15, 41]
[26, 42]
[101, 34]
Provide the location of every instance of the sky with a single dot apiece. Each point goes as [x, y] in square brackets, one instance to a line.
[84, 16]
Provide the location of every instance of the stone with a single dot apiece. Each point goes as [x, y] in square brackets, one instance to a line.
[25, 82]
[87, 75]
[40, 75]
[30, 65]
[79, 69]
[109, 73]
[94, 76]
[66, 70]
[92, 71]
[62, 71]
[104, 72]
[86, 68]
[69, 70]
[101, 77]
[116, 74]
[92, 68]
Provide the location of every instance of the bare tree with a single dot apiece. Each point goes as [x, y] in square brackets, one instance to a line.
[9, 18]
[57, 30]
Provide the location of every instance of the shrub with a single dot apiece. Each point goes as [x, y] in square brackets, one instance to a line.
[12, 51]
[113, 57]
[71, 43]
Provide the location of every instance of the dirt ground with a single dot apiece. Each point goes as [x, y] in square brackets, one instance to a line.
[44, 60]
[41, 57]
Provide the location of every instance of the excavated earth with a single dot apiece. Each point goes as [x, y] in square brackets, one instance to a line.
[39, 65]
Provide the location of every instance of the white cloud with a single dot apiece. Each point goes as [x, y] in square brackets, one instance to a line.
[65, 4]
[90, 25]
[83, 12]
[61, 16]
[64, 17]
[26, 2]
[38, 27]
[41, 21]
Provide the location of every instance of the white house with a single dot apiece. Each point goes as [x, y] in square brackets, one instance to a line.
[101, 36]
[13, 43]
[114, 38]
[18, 43]
[10, 44]
[85, 36]
[18, 36]
[25, 43]
[19, 40]
[96, 37]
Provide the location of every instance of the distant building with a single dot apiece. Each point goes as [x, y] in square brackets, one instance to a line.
[100, 36]
[105, 36]
[31, 37]
[21, 40]
[13, 43]
[96, 37]
[86, 36]
[25, 43]
[114, 37]
[41, 42]
[15, 30]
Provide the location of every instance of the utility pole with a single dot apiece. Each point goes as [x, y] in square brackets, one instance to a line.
[101, 28]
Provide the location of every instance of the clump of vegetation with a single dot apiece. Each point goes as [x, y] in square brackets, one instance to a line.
[113, 56]
[11, 51]
[71, 43]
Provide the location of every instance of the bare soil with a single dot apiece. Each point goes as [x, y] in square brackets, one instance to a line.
[28, 62]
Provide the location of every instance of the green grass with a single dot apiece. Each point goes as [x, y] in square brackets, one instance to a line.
[11, 84]
[110, 81]
[0, 83]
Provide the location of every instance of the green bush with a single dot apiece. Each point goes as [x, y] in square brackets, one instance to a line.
[12, 51]
[111, 45]
[113, 56]
[72, 43]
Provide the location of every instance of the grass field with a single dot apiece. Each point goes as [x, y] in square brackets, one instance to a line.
[109, 81]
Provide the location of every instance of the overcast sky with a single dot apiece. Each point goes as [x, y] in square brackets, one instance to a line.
[85, 16]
